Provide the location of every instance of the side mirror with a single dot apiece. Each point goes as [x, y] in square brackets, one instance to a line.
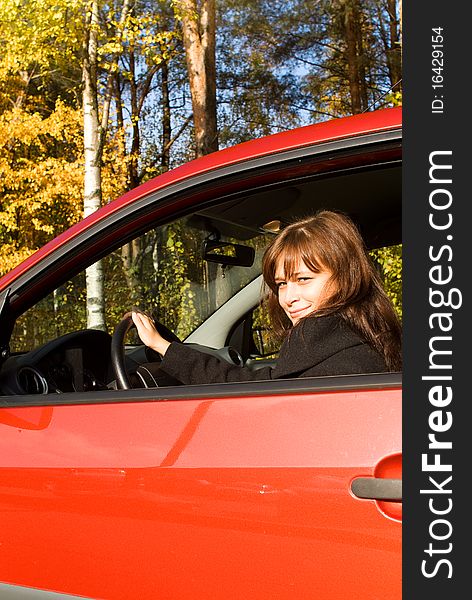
[226, 253]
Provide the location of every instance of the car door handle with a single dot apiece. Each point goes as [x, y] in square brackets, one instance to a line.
[374, 488]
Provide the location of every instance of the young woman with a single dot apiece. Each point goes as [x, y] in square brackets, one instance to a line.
[326, 302]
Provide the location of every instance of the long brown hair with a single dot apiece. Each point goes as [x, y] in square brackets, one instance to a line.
[330, 241]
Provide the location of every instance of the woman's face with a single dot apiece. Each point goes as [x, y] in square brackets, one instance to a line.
[303, 293]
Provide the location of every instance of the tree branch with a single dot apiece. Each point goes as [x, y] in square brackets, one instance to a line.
[171, 143]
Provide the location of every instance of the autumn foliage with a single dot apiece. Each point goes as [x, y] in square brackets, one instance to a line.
[278, 65]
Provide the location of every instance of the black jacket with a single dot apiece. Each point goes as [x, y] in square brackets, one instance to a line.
[316, 346]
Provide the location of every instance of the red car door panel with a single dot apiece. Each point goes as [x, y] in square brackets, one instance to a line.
[246, 497]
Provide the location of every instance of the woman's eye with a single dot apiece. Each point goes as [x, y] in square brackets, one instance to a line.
[304, 279]
[280, 284]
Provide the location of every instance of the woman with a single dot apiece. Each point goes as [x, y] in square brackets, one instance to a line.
[326, 302]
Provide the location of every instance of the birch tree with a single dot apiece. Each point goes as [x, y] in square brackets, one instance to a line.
[94, 139]
[92, 167]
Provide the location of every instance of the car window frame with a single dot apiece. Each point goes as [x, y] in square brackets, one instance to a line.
[163, 206]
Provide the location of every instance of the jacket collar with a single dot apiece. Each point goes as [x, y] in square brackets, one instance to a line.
[313, 340]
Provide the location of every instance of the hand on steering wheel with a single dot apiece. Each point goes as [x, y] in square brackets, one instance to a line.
[148, 333]
[118, 342]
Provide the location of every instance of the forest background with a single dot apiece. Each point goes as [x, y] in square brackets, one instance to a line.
[97, 97]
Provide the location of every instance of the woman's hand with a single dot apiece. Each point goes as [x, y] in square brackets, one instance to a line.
[148, 333]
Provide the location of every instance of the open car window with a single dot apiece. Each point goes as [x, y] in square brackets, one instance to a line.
[162, 272]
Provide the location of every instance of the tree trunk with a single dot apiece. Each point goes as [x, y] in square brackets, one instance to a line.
[198, 28]
[166, 123]
[133, 175]
[361, 55]
[351, 55]
[130, 257]
[94, 140]
[394, 52]
[92, 159]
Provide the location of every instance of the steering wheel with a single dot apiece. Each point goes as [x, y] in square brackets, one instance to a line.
[118, 351]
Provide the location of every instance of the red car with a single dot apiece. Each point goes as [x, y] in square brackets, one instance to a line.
[113, 488]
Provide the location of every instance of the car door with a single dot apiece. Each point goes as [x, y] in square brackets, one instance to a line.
[240, 491]
[288, 488]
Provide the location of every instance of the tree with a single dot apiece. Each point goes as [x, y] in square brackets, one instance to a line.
[389, 260]
[388, 20]
[295, 61]
[149, 48]
[40, 148]
[258, 90]
[39, 62]
[198, 20]
[92, 159]
[354, 53]
[40, 179]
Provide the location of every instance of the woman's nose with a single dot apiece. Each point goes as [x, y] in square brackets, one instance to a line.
[291, 294]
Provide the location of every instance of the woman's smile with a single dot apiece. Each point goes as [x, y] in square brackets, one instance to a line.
[296, 314]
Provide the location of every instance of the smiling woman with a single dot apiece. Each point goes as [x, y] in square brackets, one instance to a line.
[339, 278]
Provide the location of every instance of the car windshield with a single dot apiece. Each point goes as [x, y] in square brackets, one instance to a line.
[162, 272]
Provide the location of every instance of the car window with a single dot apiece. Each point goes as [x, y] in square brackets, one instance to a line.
[161, 272]
[265, 342]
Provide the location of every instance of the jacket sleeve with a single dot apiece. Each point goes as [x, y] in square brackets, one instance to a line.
[190, 366]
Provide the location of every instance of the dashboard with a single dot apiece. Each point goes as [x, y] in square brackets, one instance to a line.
[81, 362]
[75, 362]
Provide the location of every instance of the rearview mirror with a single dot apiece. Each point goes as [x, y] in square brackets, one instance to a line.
[226, 253]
